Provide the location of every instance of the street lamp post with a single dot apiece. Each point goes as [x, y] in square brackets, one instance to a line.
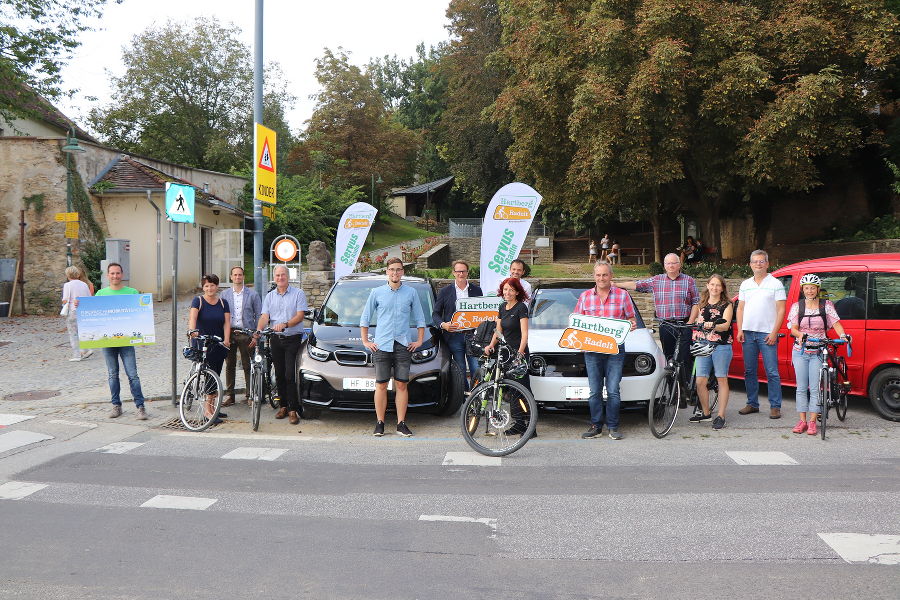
[71, 147]
[378, 206]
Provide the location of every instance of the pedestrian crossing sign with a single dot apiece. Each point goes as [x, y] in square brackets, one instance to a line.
[179, 202]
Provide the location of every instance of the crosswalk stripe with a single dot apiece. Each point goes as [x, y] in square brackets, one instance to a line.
[471, 458]
[489, 522]
[16, 439]
[119, 447]
[255, 453]
[761, 458]
[179, 502]
[864, 547]
[8, 419]
[16, 490]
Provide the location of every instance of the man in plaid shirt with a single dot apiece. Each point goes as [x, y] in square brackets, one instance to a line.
[675, 296]
[604, 300]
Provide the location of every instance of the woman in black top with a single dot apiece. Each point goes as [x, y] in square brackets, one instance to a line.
[715, 311]
[211, 315]
[513, 323]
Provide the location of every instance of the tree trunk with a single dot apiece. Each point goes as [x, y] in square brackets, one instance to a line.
[655, 224]
[711, 234]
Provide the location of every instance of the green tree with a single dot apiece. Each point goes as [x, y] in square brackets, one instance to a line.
[307, 210]
[37, 37]
[186, 96]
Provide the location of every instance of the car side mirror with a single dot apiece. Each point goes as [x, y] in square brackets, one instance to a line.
[315, 315]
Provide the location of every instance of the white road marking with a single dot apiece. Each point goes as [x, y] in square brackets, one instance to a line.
[16, 490]
[8, 419]
[74, 423]
[864, 547]
[471, 458]
[490, 523]
[255, 453]
[761, 458]
[252, 436]
[119, 447]
[15, 439]
[179, 502]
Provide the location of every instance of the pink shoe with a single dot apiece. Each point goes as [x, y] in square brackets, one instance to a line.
[800, 427]
[812, 430]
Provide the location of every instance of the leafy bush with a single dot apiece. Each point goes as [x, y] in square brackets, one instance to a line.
[702, 270]
[655, 268]
[447, 272]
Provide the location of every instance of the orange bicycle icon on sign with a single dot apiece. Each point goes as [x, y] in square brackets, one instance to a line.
[461, 322]
[571, 341]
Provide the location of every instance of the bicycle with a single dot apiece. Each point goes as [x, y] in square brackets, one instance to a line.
[493, 401]
[262, 375]
[666, 398]
[196, 410]
[833, 392]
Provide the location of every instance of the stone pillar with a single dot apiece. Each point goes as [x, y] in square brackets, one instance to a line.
[319, 276]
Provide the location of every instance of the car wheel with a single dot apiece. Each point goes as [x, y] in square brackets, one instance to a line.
[884, 393]
[454, 389]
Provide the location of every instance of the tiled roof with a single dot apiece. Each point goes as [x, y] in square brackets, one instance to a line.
[422, 188]
[36, 106]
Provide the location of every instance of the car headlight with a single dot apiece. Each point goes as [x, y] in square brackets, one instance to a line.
[420, 356]
[643, 364]
[317, 353]
[537, 364]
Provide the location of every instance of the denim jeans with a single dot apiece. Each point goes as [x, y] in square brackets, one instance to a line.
[456, 341]
[608, 368]
[112, 371]
[806, 368]
[754, 344]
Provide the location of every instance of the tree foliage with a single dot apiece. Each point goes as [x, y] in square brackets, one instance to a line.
[306, 210]
[186, 96]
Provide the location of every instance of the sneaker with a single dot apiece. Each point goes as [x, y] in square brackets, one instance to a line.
[594, 431]
[403, 430]
[699, 418]
[748, 409]
[615, 435]
[116, 411]
[75, 359]
[718, 423]
[141, 413]
[379, 429]
[812, 429]
[86, 355]
[800, 427]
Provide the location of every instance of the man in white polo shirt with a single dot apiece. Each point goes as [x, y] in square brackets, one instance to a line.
[760, 314]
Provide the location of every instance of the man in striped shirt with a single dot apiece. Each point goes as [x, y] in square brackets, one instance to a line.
[605, 300]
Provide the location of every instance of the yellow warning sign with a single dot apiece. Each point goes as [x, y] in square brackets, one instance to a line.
[67, 217]
[72, 230]
[266, 164]
[268, 211]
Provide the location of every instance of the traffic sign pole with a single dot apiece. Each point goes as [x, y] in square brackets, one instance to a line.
[259, 280]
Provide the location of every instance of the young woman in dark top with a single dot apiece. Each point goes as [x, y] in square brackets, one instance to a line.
[513, 323]
[715, 311]
[211, 316]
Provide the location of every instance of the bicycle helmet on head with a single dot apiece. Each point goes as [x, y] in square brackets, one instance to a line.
[702, 348]
[810, 279]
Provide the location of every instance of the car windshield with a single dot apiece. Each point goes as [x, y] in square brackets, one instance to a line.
[552, 307]
[347, 300]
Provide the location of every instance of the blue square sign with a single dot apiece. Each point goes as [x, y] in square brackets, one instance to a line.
[180, 202]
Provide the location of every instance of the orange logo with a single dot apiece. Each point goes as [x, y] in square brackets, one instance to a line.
[588, 341]
[356, 223]
[511, 213]
[471, 319]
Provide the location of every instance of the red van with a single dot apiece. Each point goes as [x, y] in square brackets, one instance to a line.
[865, 289]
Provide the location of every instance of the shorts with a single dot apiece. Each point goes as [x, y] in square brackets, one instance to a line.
[399, 360]
[720, 360]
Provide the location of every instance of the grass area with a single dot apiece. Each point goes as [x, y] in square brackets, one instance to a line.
[586, 269]
[394, 231]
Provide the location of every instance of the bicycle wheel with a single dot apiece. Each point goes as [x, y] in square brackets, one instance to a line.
[196, 411]
[664, 405]
[256, 397]
[825, 399]
[843, 386]
[272, 388]
[491, 424]
[712, 386]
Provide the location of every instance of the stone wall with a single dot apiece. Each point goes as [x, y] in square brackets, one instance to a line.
[316, 285]
[469, 249]
[436, 258]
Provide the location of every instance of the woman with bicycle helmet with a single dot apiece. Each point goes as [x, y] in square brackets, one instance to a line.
[712, 346]
[818, 317]
[513, 324]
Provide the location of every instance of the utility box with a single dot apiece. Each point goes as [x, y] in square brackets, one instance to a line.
[119, 251]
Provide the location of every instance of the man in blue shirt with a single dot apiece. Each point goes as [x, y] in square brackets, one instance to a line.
[284, 308]
[391, 306]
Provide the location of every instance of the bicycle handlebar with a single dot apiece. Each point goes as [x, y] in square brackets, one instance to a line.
[828, 342]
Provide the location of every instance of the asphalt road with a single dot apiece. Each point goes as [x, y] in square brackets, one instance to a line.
[336, 513]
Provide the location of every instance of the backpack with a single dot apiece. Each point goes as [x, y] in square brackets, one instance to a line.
[801, 312]
[476, 342]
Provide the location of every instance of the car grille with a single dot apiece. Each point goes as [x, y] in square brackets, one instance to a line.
[569, 364]
[352, 358]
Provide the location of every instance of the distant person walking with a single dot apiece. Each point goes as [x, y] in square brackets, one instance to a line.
[74, 288]
[604, 246]
[592, 252]
[760, 314]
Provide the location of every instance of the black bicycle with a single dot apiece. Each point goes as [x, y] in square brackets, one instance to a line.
[262, 375]
[500, 414]
[834, 385]
[201, 397]
[668, 395]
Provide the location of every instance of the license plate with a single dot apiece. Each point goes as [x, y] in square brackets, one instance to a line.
[363, 384]
[580, 392]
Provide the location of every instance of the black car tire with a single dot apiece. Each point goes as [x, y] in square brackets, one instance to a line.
[884, 393]
[454, 388]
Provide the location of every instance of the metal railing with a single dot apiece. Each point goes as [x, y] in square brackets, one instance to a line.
[471, 228]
